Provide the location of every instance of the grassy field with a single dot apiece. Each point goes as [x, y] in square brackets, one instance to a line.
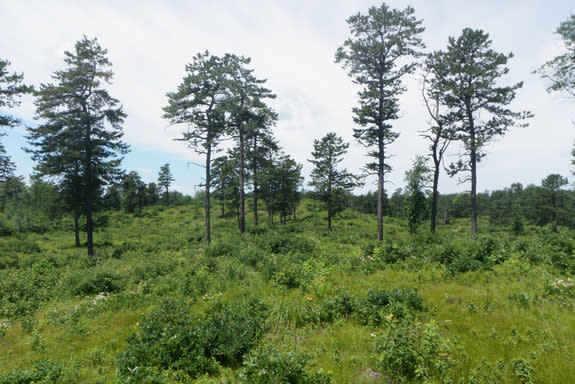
[288, 304]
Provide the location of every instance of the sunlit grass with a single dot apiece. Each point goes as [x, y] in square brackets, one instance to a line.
[501, 313]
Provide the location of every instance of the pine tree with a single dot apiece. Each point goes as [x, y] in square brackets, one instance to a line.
[376, 60]
[466, 75]
[79, 139]
[11, 89]
[332, 185]
[199, 104]
[165, 180]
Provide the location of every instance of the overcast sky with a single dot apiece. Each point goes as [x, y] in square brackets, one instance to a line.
[292, 44]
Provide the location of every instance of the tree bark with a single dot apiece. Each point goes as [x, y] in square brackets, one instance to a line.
[207, 205]
[77, 229]
[242, 217]
[380, 175]
[89, 189]
[473, 158]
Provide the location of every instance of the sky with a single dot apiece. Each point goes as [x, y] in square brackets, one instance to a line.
[292, 44]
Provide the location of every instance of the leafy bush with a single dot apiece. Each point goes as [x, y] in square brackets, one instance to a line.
[553, 247]
[169, 339]
[381, 306]
[269, 366]
[417, 353]
[232, 330]
[22, 291]
[43, 372]
[283, 243]
[295, 275]
[391, 252]
[86, 282]
[481, 254]
[337, 307]
[523, 370]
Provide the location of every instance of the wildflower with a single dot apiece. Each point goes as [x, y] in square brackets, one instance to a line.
[309, 297]
[390, 317]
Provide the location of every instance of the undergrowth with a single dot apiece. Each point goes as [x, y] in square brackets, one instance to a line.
[289, 303]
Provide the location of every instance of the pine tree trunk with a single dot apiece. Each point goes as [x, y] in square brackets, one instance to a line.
[380, 190]
[473, 158]
[434, 196]
[207, 202]
[255, 202]
[242, 217]
[77, 229]
[89, 191]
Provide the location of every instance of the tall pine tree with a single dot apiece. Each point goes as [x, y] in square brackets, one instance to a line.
[79, 139]
[375, 58]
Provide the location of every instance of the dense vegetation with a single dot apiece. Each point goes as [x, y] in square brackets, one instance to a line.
[292, 303]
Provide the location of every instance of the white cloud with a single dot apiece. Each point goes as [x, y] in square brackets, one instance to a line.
[292, 44]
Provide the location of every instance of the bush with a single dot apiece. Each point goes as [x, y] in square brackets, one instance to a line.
[295, 275]
[170, 340]
[338, 307]
[418, 354]
[22, 291]
[268, 366]
[381, 306]
[43, 372]
[85, 283]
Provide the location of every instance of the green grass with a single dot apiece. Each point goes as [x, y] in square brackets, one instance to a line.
[496, 317]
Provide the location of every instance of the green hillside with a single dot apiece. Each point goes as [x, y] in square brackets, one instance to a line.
[292, 303]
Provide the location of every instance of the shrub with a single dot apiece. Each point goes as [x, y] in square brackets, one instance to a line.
[22, 291]
[85, 283]
[43, 372]
[232, 330]
[295, 275]
[523, 370]
[169, 339]
[269, 366]
[338, 307]
[417, 353]
[391, 252]
[383, 305]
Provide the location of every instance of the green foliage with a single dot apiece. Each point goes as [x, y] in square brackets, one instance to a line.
[266, 366]
[418, 353]
[561, 69]
[381, 307]
[43, 372]
[523, 370]
[332, 186]
[168, 339]
[346, 292]
[79, 139]
[553, 247]
[417, 179]
[93, 282]
[22, 292]
[171, 339]
[378, 65]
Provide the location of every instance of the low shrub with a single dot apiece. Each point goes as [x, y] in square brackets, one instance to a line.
[170, 339]
[43, 372]
[382, 306]
[86, 282]
[266, 366]
[415, 354]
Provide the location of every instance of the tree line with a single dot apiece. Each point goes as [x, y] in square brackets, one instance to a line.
[77, 143]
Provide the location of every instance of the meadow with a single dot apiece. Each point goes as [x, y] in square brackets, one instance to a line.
[289, 303]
